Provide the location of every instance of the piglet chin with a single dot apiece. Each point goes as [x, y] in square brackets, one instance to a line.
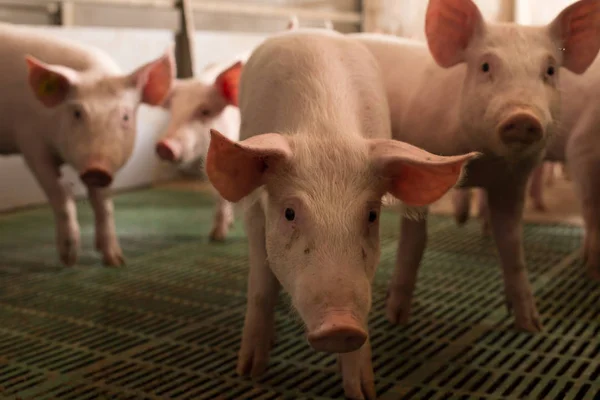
[339, 332]
[96, 174]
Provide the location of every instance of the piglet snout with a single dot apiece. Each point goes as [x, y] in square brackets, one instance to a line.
[521, 128]
[168, 150]
[340, 332]
[96, 176]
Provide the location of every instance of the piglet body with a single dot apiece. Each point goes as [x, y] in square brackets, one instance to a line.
[314, 161]
[484, 87]
[71, 104]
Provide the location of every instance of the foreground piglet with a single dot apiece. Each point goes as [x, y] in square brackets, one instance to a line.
[68, 104]
[314, 160]
[485, 87]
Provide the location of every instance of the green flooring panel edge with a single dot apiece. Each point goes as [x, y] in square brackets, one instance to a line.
[168, 325]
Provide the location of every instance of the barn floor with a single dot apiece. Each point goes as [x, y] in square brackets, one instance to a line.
[168, 325]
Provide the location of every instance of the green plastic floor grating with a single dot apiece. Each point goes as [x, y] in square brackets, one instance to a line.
[168, 325]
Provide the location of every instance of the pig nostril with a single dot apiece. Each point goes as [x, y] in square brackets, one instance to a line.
[340, 333]
[95, 177]
[167, 151]
[522, 128]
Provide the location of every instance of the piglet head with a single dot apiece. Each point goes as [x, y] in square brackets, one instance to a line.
[195, 108]
[510, 98]
[321, 202]
[97, 113]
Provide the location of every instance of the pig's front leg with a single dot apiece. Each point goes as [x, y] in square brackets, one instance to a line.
[223, 220]
[413, 239]
[357, 373]
[586, 179]
[536, 186]
[506, 214]
[263, 288]
[106, 233]
[483, 211]
[47, 173]
[461, 200]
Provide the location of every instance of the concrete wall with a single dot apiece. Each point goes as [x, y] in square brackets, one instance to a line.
[130, 48]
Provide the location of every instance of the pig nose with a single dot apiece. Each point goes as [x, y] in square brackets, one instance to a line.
[168, 150]
[521, 128]
[96, 177]
[339, 332]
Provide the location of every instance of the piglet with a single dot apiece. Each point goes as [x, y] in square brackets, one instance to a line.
[65, 103]
[196, 106]
[488, 87]
[314, 161]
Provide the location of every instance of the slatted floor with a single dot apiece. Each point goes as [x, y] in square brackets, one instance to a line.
[168, 325]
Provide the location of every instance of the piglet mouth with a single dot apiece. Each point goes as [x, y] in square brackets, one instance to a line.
[339, 332]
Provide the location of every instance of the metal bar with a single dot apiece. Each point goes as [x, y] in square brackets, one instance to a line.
[184, 40]
[231, 7]
[371, 9]
[67, 13]
[124, 3]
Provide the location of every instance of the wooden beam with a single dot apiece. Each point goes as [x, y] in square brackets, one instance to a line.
[184, 40]
[371, 10]
[239, 8]
[67, 13]
[507, 11]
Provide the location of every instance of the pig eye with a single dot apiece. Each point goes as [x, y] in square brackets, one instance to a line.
[550, 71]
[290, 214]
[372, 216]
[485, 67]
[126, 117]
[205, 112]
[77, 114]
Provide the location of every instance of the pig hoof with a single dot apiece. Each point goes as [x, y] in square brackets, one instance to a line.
[357, 374]
[113, 260]
[527, 318]
[594, 273]
[252, 364]
[69, 258]
[254, 352]
[218, 234]
[69, 252]
[398, 309]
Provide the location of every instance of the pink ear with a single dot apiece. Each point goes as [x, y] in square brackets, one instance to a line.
[50, 84]
[417, 177]
[577, 28]
[155, 78]
[450, 25]
[236, 169]
[228, 83]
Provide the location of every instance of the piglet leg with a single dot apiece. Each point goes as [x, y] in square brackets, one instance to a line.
[223, 220]
[483, 211]
[47, 172]
[106, 234]
[586, 179]
[413, 239]
[536, 186]
[506, 214]
[357, 373]
[263, 288]
[461, 200]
